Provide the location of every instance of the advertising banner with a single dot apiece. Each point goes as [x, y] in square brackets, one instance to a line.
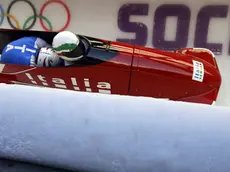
[167, 24]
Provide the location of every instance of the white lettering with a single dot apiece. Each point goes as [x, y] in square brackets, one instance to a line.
[41, 78]
[45, 84]
[86, 81]
[9, 47]
[74, 82]
[76, 88]
[103, 87]
[60, 86]
[23, 48]
[104, 91]
[31, 78]
[58, 81]
[88, 89]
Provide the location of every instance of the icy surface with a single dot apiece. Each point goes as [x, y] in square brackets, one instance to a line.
[7, 165]
[112, 133]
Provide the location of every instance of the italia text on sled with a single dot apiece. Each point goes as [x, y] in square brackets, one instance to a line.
[84, 63]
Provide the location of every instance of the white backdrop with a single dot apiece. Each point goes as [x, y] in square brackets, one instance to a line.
[188, 24]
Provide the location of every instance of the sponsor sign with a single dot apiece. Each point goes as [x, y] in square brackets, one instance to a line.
[175, 25]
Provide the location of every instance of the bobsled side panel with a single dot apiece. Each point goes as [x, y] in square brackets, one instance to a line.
[110, 77]
[168, 75]
[108, 63]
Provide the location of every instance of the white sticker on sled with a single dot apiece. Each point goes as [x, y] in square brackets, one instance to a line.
[198, 71]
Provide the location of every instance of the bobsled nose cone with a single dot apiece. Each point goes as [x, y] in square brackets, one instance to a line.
[212, 76]
[206, 92]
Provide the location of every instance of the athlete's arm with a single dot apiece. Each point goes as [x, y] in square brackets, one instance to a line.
[42, 43]
[33, 61]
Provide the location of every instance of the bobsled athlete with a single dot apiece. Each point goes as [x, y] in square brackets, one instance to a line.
[30, 51]
[34, 51]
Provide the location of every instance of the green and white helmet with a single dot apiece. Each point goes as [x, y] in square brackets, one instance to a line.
[65, 42]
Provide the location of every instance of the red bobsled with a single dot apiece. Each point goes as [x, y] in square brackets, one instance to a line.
[188, 74]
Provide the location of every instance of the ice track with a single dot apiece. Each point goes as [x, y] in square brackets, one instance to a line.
[95, 132]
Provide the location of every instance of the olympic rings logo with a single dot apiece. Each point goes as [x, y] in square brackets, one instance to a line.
[33, 17]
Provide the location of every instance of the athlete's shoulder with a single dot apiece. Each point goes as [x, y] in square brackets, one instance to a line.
[23, 40]
[41, 43]
[34, 41]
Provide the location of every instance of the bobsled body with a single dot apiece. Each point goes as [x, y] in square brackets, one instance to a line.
[109, 67]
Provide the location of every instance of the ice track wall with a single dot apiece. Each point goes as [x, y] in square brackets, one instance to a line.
[165, 24]
[112, 133]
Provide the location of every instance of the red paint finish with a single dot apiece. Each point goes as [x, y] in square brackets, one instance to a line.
[129, 70]
[116, 72]
[169, 75]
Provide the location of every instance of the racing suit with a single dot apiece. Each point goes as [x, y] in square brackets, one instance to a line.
[23, 51]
